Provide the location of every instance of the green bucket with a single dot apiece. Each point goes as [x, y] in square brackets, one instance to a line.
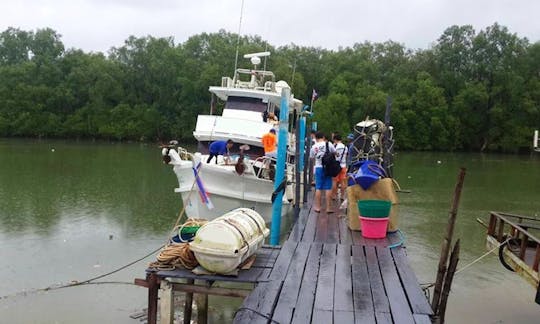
[374, 208]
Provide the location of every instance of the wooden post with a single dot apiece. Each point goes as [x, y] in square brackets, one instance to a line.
[202, 308]
[166, 303]
[447, 241]
[454, 258]
[536, 258]
[188, 305]
[153, 287]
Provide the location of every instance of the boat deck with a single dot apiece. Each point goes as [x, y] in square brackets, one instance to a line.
[323, 273]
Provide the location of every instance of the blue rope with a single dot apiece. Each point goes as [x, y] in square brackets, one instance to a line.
[400, 243]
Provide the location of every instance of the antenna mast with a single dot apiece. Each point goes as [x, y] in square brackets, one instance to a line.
[238, 39]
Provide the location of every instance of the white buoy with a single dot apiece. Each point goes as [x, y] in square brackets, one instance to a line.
[52, 150]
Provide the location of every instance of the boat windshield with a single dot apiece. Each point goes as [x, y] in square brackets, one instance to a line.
[245, 103]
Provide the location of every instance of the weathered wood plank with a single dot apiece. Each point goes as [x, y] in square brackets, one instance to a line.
[332, 236]
[321, 232]
[304, 306]
[417, 300]
[298, 229]
[384, 318]
[291, 287]
[422, 319]
[311, 226]
[345, 236]
[261, 300]
[343, 317]
[283, 261]
[343, 292]
[394, 290]
[380, 300]
[324, 296]
[364, 311]
[322, 316]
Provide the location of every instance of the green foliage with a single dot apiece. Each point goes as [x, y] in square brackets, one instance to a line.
[471, 91]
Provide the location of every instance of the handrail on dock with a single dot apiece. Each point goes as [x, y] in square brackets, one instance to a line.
[496, 227]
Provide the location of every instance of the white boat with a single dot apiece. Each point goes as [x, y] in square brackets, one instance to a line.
[249, 95]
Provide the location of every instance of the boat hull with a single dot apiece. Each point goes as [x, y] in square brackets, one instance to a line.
[227, 190]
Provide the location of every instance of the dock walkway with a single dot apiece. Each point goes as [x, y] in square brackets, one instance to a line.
[326, 273]
[323, 273]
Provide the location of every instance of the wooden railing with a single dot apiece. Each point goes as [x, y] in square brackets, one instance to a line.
[519, 227]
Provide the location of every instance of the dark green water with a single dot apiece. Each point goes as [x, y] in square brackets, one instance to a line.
[58, 209]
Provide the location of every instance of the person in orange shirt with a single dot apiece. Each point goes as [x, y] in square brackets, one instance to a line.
[269, 141]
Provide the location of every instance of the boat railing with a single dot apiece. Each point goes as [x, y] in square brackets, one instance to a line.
[266, 162]
[519, 227]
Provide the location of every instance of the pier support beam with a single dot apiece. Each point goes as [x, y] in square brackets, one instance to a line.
[166, 303]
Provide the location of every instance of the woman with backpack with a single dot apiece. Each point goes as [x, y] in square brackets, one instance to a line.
[323, 182]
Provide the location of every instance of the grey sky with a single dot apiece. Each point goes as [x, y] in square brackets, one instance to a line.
[97, 25]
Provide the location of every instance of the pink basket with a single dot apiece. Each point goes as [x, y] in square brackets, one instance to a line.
[374, 227]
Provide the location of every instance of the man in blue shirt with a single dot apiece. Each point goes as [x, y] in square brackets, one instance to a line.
[219, 148]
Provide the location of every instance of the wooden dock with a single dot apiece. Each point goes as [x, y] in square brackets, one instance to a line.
[323, 273]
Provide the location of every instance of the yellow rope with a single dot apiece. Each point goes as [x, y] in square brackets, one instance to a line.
[175, 255]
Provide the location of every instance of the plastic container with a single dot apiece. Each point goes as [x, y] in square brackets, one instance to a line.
[368, 173]
[374, 227]
[222, 244]
[374, 208]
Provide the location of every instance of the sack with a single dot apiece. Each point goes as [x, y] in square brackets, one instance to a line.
[331, 167]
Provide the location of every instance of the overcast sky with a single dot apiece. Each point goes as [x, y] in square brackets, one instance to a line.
[98, 25]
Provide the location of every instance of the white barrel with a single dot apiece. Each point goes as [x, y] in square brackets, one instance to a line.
[222, 244]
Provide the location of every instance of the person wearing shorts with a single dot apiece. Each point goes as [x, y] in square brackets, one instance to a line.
[340, 181]
[322, 181]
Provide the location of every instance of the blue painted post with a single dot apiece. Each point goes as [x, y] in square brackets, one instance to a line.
[302, 140]
[283, 137]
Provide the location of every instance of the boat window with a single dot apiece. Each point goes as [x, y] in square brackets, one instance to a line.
[244, 103]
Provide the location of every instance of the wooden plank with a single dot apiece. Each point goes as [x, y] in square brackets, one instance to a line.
[298, 229]
[401, 312]
[267, 304]
[345, 236]
[304, 306]
[364, 311]
[380, 300]
[343, 317]
[332, 235]
[283, 261]
[322, 316]
[321, 232]
[245, 313]
[291, 287]
[384, 318]
[311, 227]
[422, 319]
[357, 238]
[324, 296]
[343, 292]
[417, 299]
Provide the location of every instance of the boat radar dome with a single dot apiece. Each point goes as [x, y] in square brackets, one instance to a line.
[281, 85]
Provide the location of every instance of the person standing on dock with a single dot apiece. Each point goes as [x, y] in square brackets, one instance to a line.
[219, 148]
[340, 181]
[269, 141]
[322, 181]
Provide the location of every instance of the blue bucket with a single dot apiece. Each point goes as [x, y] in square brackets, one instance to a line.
[368, 173]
